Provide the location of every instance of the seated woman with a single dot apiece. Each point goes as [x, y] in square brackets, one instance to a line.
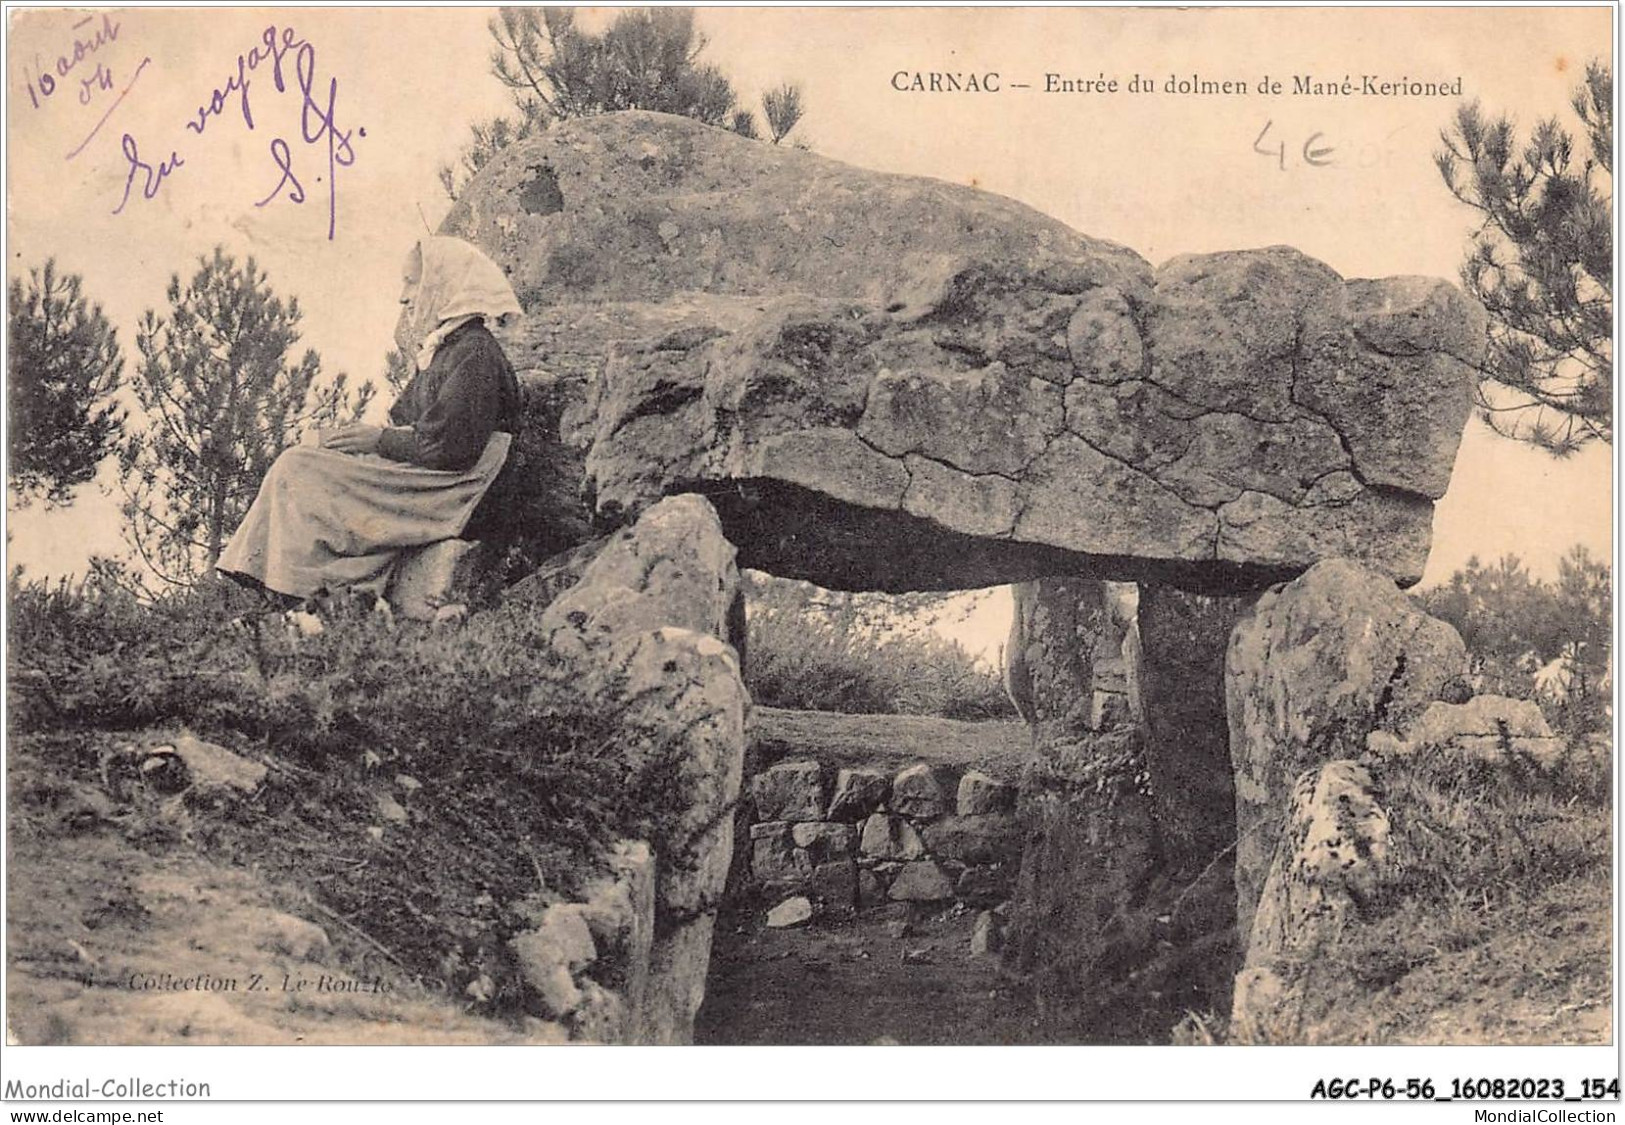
[339, 513]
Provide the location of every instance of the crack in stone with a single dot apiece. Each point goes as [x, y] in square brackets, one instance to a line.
[901, 458]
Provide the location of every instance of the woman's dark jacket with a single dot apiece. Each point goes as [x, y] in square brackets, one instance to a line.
[449, 411]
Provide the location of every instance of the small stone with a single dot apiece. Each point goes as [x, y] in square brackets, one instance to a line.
[979, 793]
[890, 837]
[212, 767]
[989, 838]
[408, 783]
[375, 832]
[449, 615]
[304, 624]
[277, 932]
[795, 911]
[871, 891]
[775, 861]
[565, 927]
[985, 886]
[899, 929]
[921, 881]
[428, 579]
[858, 793]
[834, 886]
[556, 988]
[789, 791]
[918, 791]
[987, 935]
[390, 809]
[1384, 744]
[550, 953]
[601, 1015]
[1488, 727]
[825, 841]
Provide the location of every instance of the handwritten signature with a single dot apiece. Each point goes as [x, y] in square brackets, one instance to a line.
[318, 123]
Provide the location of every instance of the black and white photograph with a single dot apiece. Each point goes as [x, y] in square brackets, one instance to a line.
[1022, 528]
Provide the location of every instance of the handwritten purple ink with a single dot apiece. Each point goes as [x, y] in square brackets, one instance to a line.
[318, 122]
[154, 176]
[110, 110]
[340, 153]
[45, 84]
[279, 153]
[275, 46]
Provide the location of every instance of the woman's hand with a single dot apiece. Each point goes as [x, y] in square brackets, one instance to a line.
[357, 438]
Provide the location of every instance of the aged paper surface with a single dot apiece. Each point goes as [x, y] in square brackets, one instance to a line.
[311, 140]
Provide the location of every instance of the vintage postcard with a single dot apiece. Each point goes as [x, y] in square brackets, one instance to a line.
[732, 527]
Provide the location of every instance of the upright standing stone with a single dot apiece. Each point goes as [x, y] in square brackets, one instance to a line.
[1058, 627]
[641, 631]
[1090, 852]
[1319, 664]
[1183, 638]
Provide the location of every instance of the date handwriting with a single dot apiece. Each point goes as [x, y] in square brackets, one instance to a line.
[43, 82]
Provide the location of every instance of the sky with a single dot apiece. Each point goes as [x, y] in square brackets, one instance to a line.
[1164, 173]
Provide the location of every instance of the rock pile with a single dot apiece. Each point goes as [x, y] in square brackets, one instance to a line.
[844, 839]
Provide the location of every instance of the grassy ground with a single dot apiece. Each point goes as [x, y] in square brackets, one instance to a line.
[1494, 924]
[427, 791]
[113, 904]
[890, 741]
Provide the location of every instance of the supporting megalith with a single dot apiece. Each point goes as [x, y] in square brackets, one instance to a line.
[641, 627]
[1183, 638]
[1089, 834]
[1060, 628]
[1319, 664]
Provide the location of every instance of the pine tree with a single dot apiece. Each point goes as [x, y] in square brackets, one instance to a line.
[1541, 263]
[221, 401]
[64, 368]
[783, 110]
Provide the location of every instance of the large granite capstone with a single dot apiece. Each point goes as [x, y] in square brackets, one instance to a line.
[890, 382]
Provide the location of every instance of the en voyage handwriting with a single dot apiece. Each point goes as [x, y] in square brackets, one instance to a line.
[319, 123]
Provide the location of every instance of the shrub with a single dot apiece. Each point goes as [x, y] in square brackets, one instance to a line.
[841, 656]
[523, 774]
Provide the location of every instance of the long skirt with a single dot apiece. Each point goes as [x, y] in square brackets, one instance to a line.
[325, 520]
